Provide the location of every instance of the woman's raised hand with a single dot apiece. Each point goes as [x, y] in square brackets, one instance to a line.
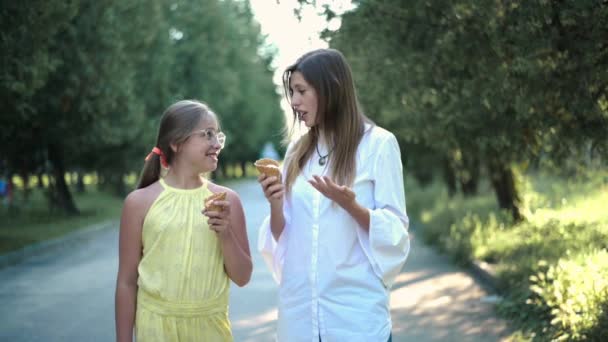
[340, 194]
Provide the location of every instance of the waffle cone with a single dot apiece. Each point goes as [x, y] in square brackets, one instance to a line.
[269, 167]
[209, 206]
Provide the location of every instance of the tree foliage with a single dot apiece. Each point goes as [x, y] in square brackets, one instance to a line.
[488, 83]
[83, 84]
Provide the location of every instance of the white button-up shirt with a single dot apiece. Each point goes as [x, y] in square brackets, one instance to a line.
[334, 277]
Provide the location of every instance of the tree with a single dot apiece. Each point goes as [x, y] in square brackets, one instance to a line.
[88, 92]
[483, 79]
[27, 62]
[218, 60]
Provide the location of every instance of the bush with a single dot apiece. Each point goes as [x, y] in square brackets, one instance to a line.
[554, 287]
[576, 294]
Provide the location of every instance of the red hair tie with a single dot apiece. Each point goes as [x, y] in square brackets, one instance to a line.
[158, 152]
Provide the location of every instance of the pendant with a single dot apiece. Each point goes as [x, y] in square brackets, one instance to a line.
[323, 160]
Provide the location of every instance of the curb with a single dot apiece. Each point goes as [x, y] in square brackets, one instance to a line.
[485, 273]
[20, 255]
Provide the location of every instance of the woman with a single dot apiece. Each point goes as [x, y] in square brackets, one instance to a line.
[336, 237]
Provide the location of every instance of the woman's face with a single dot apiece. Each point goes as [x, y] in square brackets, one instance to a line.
[202, 147]
[303, 99]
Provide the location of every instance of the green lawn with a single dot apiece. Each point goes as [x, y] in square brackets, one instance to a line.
[31, 221]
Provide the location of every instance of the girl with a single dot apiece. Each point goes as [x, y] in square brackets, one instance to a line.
[174, 263]
[337, 233]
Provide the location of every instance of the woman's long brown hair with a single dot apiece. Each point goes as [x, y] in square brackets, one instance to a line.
[175, 126]
[339, 115]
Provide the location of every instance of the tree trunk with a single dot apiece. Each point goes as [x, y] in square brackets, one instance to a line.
[470, 177]
[25, 177]
[80, 182]
[101, 182]
[40, 180]
[63, 197]
[423, 177]
[503, 182]
[469, 187]
[449, 176]
[112, 183]
[118, 185]
[244, 168]
[219, 173]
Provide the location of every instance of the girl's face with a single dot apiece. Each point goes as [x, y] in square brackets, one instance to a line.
[202, 147]
[303, 99]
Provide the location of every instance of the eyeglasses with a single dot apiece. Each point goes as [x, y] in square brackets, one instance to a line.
[211, 135]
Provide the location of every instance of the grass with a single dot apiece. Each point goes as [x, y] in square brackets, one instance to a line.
[545, 264]
[572, 212]
[31, 221]
[564, 219]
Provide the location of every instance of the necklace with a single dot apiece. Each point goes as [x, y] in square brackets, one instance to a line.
[322, 159]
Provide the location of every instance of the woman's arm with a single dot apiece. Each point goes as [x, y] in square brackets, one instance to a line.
[274, 190]
[277, 220]
[273, 232]
[129, 256]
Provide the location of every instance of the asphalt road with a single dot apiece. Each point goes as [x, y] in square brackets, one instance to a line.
[68, 294]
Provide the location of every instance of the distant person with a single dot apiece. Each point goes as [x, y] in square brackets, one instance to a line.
[176, 259]
[269, 152]
[3, 188]
[337, 234]
[6, 192]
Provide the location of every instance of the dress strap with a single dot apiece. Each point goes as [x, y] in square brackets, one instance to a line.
[170, 188]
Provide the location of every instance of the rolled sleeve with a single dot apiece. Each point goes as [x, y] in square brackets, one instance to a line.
[387, 244]
[273, 251]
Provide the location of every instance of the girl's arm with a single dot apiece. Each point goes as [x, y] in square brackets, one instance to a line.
[232, 231]
[130, 246]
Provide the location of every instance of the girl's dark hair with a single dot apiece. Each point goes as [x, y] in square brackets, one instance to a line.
[175, 126]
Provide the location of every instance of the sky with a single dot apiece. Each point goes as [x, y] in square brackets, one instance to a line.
[290, 37]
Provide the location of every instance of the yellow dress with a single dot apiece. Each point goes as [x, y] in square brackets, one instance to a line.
[182, 287]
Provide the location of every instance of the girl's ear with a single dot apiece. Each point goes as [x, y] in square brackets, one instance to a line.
[174, 147]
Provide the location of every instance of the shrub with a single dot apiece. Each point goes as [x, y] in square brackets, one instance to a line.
[575, 291]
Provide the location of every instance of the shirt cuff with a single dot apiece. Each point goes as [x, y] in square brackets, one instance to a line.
[387, 244]
[273, 251]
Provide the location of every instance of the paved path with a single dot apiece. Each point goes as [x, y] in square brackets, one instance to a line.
[68, 295]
